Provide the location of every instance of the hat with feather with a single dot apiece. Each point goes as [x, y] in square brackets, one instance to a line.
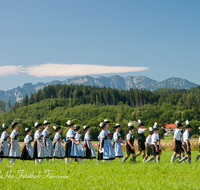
[4, 126]
[56, 128]
[187, 124]
[69, 123]
[130, 126]
[36, 124]
[117, 125]
[150, 130]
[14, 124]
[86, 127]
[46, 122]
[140, 123]
[27, 130]
[178, 124]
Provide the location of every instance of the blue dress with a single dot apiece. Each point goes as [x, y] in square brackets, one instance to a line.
[117, 145]
[108, 152]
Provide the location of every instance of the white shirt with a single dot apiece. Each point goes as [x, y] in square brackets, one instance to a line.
[102, 134]
[177, 134]
[70, 133]
[129, 135]
[140, 131]
[86, 137]
[148, 139]
[27, 139]
[116, 136]
[4, 135]
[158, 138]
[13, 134]
[154, 138]
[186, 136]
[45, 133]
[77, 136]
[56, 136]
[37, 135]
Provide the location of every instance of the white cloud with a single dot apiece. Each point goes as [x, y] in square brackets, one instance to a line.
[64, 70]
[10, 70]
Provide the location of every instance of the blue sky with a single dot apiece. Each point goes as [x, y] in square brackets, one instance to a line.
[157, 39]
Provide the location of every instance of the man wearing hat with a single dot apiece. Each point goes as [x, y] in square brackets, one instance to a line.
[141, 139]
[154, 147]
[130, 144]
[177, 142]
[148, 142]
[186, 139]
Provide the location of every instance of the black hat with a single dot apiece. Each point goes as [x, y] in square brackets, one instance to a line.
[37, 124]
[117, 125]
[86, 127]
[187, 124]
[155, 128]
[76, 128]
[140, 123]
[130, 126]
[14, 124]
[4, 126]
[102, 124]
[69, 123]
[56, 128]
[46, 122]
[150, 130]
[178, 124]
[106, 121]
[27, 130]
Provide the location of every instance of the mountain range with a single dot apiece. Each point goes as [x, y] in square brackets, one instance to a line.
[115, 81]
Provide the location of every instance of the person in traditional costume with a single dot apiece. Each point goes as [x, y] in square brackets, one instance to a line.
[59, 151]
[39, 146]
[89, 148]
[14, 152]
[148, 142]
[4, 148]
[80, 146]
[186, 139]
[154, 146]
[130, 144]
[177, 142]
[27, 152]
[117, 143]
[71, 147]
[141, 139]
[47, 140]
[105, 151]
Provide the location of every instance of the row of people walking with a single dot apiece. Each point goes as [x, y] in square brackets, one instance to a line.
[74, 149]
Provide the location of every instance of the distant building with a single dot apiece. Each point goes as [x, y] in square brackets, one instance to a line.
[170, 128]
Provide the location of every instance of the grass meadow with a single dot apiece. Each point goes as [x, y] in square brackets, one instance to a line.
[89, 175]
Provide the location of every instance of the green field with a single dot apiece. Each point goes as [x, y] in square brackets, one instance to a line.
[89, 175]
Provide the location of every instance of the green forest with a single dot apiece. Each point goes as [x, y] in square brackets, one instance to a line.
[87, 105]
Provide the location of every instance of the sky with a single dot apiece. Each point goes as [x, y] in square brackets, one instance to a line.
[41, 41]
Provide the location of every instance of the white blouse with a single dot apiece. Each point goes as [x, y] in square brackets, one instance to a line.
[27, 139]
[37, 135]
[45, 133]
[13, 134]
[4, 135]
[86, 137]
[116, 136]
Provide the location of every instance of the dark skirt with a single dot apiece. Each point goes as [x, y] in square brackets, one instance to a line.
[129, 150]
[25, 155]
[68, 148]
[35, 155]
[185, 147]
[141, 145]
[100, 155]
[88, 152]
[179, 148]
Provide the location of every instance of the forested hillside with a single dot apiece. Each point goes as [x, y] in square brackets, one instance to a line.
[88, 105]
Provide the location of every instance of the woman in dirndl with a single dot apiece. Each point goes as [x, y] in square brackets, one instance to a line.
[59, 151]
[71, 148]
[14, 152]
[105, 151]
[4, 143]
[47, 141]
[27, 152]
[78, 140]
[117, 143]
[90, 151]
[39, 147]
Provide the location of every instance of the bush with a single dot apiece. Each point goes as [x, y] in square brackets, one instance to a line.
[195, 136]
